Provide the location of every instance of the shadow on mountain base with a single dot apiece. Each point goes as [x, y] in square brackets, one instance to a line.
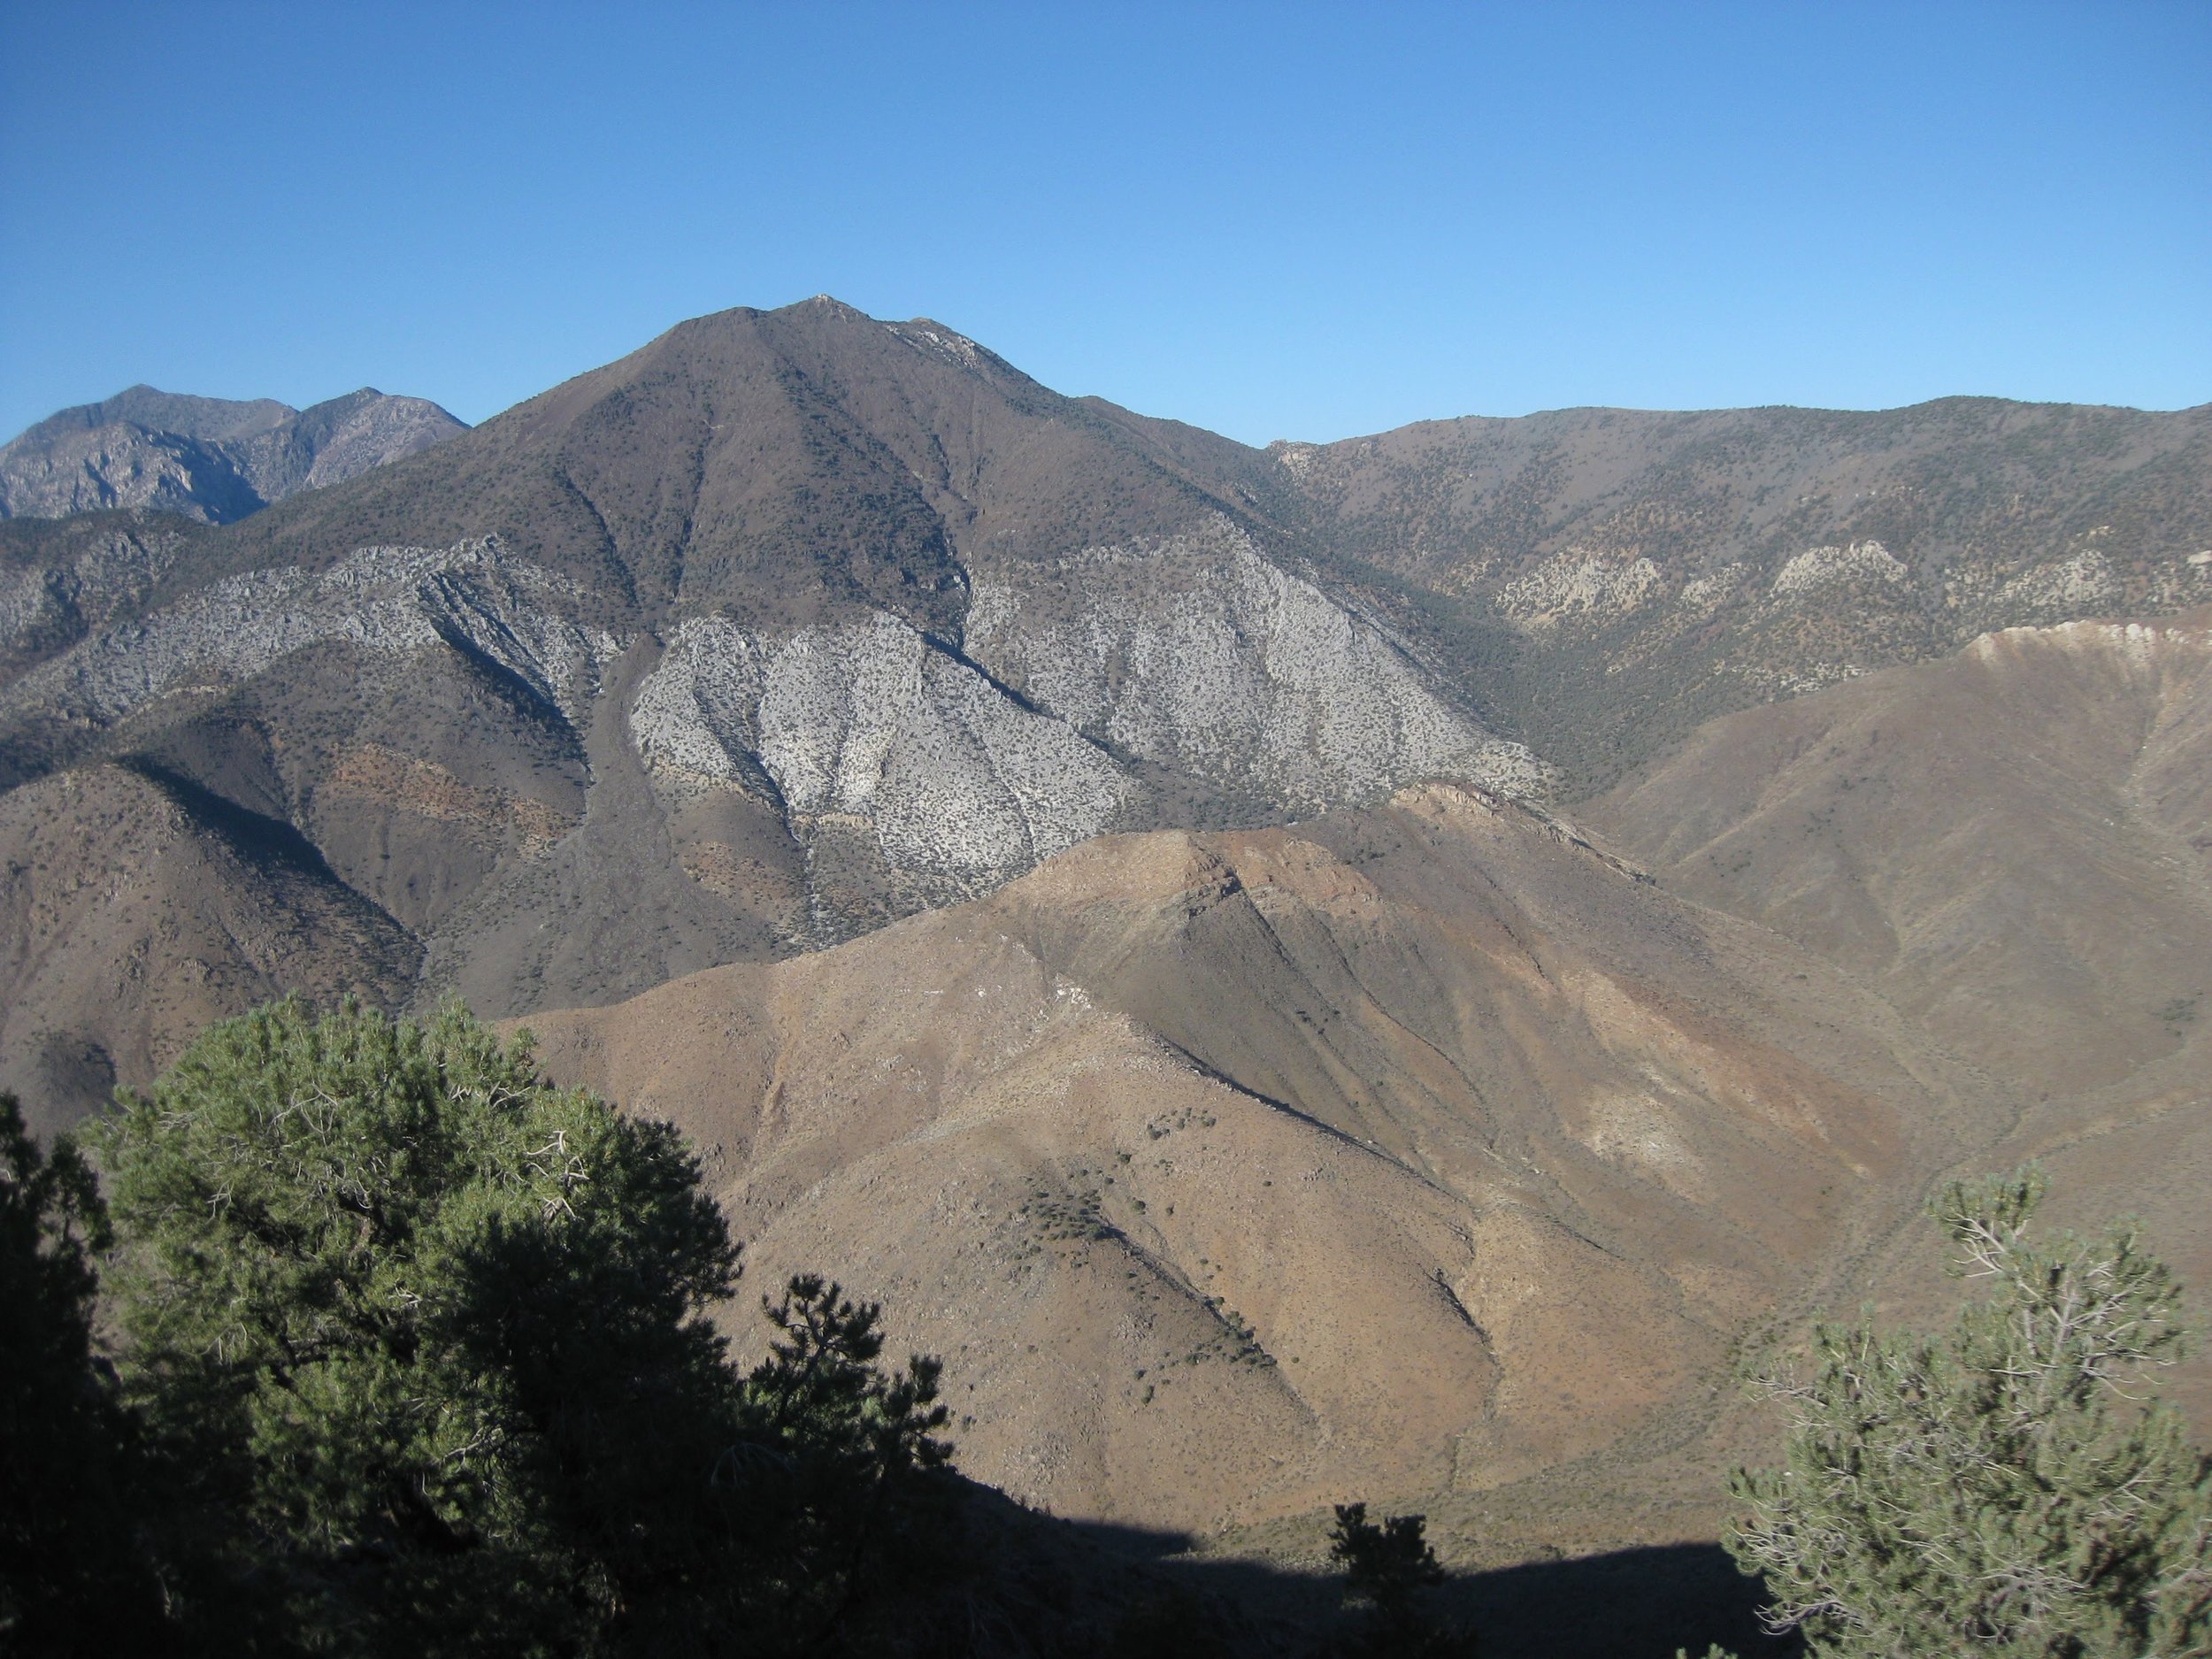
[1628, 1604]
[1147, 1592]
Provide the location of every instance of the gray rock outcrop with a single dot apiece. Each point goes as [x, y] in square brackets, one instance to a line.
[471, 598]
[1089, 686]
[1201, 655]
[204, 457]
[871, 721]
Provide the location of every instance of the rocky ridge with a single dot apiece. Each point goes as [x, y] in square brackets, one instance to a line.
[1604, 580]
[946, 781]
[61, 581]
[1200, 655]
[1195, 661]
[390, 600]
[204, 457]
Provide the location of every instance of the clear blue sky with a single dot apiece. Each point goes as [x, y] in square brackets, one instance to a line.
[1274, 221]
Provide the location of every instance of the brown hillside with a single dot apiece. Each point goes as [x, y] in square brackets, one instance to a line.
[1411, 1149]
[2015, 847]
[138, 910]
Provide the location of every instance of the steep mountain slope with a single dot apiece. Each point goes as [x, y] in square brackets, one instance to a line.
[1431, 1151]
[204, 457]
[2015, 846]
[1612, 578]
[786, 626]
[2014, 842]
[801, 465]
[62, 579]
[138, 907]
[1422, 1147]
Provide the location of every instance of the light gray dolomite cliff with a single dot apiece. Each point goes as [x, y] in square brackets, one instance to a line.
[870, 720]
[1201, 655]
[1128, 688]
[1196, 657]
[471, 597]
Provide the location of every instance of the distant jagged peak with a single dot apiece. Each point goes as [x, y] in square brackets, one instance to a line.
[218, 419]
[209, 459]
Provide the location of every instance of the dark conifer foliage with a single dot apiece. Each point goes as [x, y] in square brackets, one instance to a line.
[428, 1338]
[70, 1579]
[1386, 1567]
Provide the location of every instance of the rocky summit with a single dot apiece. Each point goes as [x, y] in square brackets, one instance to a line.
[1370, 969]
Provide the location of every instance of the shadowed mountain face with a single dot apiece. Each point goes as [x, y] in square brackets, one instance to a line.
[204, 457]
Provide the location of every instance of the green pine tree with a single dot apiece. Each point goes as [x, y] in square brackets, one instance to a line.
[2000, 1490]
[426, 1339]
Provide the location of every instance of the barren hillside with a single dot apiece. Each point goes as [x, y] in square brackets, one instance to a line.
[1433, 1151]
[1419, 1148]
[2014, 847]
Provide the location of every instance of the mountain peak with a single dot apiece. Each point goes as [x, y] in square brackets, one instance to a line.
[794, 622]
[800, 463]
[209, 459]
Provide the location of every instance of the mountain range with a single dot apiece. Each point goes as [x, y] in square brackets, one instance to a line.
[1377, 969]
[207, 458]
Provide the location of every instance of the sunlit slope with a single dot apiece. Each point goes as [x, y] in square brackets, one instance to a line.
[1410, 1149]
[2013, 845]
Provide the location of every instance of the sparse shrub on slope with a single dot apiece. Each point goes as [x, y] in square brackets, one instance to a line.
[1997, 1490]
[430, 1336]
